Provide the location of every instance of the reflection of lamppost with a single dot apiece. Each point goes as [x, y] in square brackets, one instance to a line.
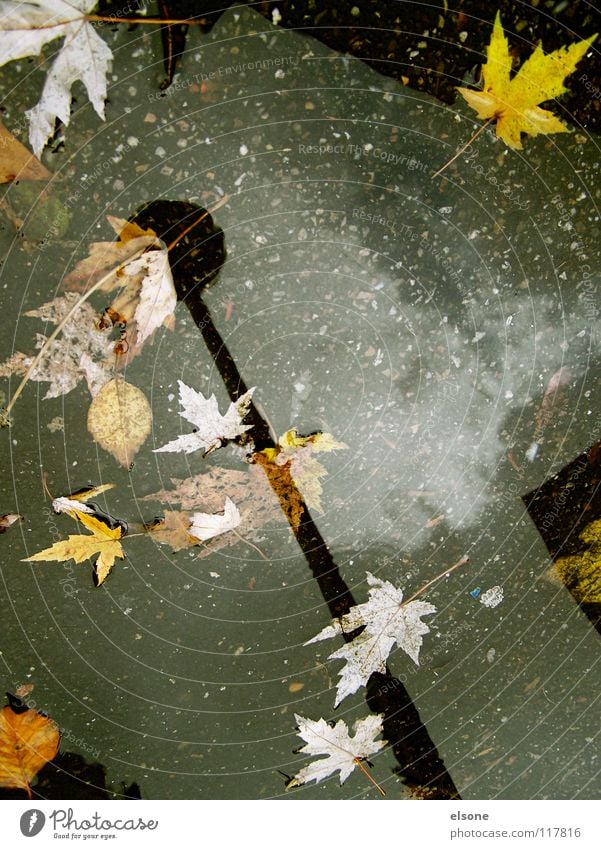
[197, 254]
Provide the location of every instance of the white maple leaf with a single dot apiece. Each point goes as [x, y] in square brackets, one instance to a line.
[96, 374]
[342, 750]
[82, 350]
[64, 504]
[248, 488]
[157, 295]
[212, 429]
[204, 526]
[141, 269]
[387, 621]
[76, 502]
[25, 28]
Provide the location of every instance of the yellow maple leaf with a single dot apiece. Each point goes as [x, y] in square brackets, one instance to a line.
[103, 540]
[513, 102]
[305, 470]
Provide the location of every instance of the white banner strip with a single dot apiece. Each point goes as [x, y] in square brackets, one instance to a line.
[277, 824]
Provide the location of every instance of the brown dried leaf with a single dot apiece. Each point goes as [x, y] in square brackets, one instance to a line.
[173, 530]
[7, 520]
[296, 453]
[16, 162]
[140, 263]
[249, 489]
[282, 483]
[105, 255]
[120, 419]
[127, 230]
[17, 363]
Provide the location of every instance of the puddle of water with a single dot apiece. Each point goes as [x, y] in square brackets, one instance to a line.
[420, 321]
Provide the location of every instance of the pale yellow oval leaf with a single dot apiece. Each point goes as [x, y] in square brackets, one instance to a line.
[120, 419]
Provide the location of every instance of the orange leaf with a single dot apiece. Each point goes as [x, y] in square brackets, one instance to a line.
[28, 740]
[291, 500]
[173, 530]
[16, 162]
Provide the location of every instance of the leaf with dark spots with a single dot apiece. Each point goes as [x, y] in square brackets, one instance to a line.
[198, 256]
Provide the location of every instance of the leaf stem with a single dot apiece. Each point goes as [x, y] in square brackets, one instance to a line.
[59, 327]
[109, 19]
[448, 571]
[197, 221]
[465, 147]
[366, 772]
[252, 545]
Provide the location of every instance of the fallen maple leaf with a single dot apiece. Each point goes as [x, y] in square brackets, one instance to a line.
[79, 547]
[184, 530]
[82, 351]
[204, 526]
[7, 520]
[386, 620]
[306, 471]
[207, 490]
[249, 490]
[211, 428]
[513, 102]
[173, 529]
[16, 162]
[155, 297]
[343, 752]
[28, 740]
[26, 28]
[147, 298]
